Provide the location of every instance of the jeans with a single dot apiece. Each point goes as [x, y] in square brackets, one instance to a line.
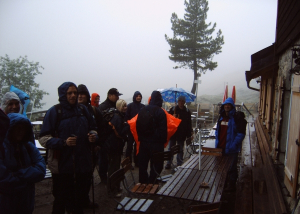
[180, 154]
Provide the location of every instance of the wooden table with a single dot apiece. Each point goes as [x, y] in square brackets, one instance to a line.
[186, 182]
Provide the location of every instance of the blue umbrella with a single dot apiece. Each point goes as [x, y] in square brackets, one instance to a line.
[171, 95]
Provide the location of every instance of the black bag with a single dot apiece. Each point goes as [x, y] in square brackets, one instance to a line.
[241, 123]
[145, 122]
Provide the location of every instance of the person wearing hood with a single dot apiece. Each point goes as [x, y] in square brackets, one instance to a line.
[132, 110]
[111, 100]
[115, 141]
[85, 99]
[11, 103]
[21, 166]
[151, 141]
[230, 133]
[68, 131]
[95, 99]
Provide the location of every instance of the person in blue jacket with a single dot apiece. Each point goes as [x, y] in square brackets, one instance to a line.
[230, 133]
[132, 110]
[68, 131]
[151, 142]
[21, 166]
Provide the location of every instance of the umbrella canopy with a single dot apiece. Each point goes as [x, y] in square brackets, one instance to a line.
[171, 95]
[233, 95]
[225, 96]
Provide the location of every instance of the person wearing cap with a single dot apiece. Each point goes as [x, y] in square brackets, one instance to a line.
[10, 103]
[132, 110]
[110, 102]
[184, 130]
[230, 133]
[95, 99]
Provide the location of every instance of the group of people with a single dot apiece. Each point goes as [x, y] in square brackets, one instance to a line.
[78, 134]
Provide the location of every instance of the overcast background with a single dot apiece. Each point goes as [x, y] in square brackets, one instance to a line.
[121, 43]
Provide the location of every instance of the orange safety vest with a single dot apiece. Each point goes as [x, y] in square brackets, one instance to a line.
[172, 125]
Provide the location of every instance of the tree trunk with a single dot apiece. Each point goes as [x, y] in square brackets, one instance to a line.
[195, 77]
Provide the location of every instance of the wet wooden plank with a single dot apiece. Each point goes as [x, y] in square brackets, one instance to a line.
[141, 188]
[180, 183]
[166, 186]
[207, 191]
[195, 184]
[274, 192]
[260, 194]
[243, 203]
[222, 180]
[135, 188]
[174, 182]
[154, 189]
[215, 185]
[186, 184]
[148, 188]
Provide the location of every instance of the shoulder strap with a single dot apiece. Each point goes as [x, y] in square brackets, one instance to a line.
[58, 118]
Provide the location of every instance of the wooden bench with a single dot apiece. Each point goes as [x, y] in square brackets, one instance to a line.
[145, 188]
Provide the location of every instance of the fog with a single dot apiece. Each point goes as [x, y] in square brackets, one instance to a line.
[105, 44]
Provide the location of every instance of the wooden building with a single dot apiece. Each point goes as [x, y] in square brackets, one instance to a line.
[279, 106]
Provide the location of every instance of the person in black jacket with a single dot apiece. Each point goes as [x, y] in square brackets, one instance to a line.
[111, 100]
[116, 140]
[132, 110]
[84, 98]
[153, 142]
[184, 130]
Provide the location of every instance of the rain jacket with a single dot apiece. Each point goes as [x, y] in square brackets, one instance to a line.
[94, 95]
[75, 121]
[235, 132]
[134, 107]
[160, 130]
[8, 97]
[4, 125]
[106, 104]
[19, 171]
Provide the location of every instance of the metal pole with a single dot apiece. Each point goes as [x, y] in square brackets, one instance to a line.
[200, 149]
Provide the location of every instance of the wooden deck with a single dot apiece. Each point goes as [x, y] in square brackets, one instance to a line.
[258, 189]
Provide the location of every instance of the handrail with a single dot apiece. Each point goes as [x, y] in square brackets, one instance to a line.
[247, 110]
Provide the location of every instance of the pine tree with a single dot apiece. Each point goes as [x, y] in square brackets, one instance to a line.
[21, 73]
[193, 45]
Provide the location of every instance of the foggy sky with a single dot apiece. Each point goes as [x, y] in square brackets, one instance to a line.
[121, 43]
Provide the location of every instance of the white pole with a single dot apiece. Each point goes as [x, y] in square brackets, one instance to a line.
[200, 149]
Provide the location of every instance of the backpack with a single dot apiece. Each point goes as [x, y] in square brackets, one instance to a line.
[145, 122]
[107, 115]
[241, 123]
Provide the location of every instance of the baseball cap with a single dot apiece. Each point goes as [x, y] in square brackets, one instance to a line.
[114, 91]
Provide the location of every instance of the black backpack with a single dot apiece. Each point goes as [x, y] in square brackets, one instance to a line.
[145, 122]
[107, 115]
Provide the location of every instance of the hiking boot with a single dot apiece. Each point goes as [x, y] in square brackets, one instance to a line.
[168, 166]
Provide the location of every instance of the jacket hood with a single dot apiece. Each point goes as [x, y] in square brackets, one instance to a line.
[135, 95]
[15, 119]
[156, 99]
[62, 94]
[7, 98]
[82, 89]
[229, 100]
[94, 95]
